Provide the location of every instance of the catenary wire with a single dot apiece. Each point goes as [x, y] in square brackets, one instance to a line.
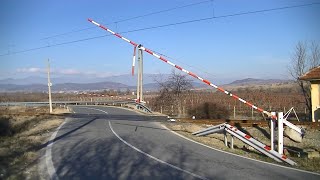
[166, 25]
[129, 19]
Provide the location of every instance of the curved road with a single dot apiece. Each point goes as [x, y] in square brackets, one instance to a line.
[114, 143]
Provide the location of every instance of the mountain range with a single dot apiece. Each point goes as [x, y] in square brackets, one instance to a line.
[126, 79]
[122, 82]
[252, 81]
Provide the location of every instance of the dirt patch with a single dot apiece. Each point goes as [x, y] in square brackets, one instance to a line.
[60, 111]
[310, 141]
[24, 137]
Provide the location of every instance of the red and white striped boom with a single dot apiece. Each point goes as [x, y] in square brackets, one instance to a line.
[184, 70]
[133, 60]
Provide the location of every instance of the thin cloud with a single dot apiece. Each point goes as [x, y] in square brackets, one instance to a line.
[68, 72]
[30, 70]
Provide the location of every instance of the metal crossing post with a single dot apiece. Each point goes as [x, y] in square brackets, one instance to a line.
[225, 138]
[231, 142]
[272, 131]
[280, 132]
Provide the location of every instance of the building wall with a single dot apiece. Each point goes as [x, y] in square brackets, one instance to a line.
[315, 100]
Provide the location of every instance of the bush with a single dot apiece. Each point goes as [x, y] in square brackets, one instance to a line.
[209, 110]
[8, 129]
[5, 127]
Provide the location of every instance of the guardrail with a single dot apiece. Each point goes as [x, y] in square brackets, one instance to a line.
[66, 103]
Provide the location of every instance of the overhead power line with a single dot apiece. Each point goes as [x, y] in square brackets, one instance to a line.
[226, 16]
[167, 25]
[53, 45]
[131, 18]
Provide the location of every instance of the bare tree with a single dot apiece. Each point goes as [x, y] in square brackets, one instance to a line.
[315, 54]
[178, 83]
[301, 62]
[172, 89]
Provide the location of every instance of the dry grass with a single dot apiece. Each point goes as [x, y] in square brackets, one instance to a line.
[311, 140]
[24, 138]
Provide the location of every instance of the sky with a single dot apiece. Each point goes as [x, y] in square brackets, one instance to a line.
[258, 45]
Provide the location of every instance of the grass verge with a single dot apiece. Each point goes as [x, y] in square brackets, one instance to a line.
[23, 133]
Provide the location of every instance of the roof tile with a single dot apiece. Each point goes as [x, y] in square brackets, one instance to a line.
[313, 74]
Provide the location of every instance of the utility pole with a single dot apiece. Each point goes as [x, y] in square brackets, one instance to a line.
[140, 75]
[49, 87]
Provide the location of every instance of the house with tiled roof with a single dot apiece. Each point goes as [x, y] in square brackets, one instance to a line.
[314, 77]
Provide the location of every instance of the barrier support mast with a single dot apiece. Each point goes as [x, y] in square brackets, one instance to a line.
[49, 87]
[140, 76]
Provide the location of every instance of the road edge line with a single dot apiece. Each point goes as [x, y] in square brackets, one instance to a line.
[48, 154]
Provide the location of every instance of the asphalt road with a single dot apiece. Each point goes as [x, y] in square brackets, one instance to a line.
[114, 143]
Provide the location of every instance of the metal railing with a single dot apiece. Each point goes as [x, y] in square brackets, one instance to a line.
[226, 128]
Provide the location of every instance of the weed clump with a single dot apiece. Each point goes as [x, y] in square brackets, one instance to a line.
[5, 126]
[210, 110]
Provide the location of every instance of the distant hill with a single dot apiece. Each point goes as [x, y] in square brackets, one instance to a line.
[80, 87]
[126, 79]
[252, 81]
[62, 87]
[123, 82]
[25, 81]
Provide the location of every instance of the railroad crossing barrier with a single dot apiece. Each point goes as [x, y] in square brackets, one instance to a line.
[163, 59]
[227, 128]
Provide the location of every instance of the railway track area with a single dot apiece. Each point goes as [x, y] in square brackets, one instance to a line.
[247, 123]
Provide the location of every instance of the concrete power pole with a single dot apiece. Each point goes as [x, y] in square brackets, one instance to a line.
[49, 87]
[140, 76]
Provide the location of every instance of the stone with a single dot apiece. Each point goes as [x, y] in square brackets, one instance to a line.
[293, 135]
[310, 153]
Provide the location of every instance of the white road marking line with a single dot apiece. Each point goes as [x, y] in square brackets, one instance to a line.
[146, 154]
[152, 157]
[236, 154]
[95, 109]
[50, 167]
